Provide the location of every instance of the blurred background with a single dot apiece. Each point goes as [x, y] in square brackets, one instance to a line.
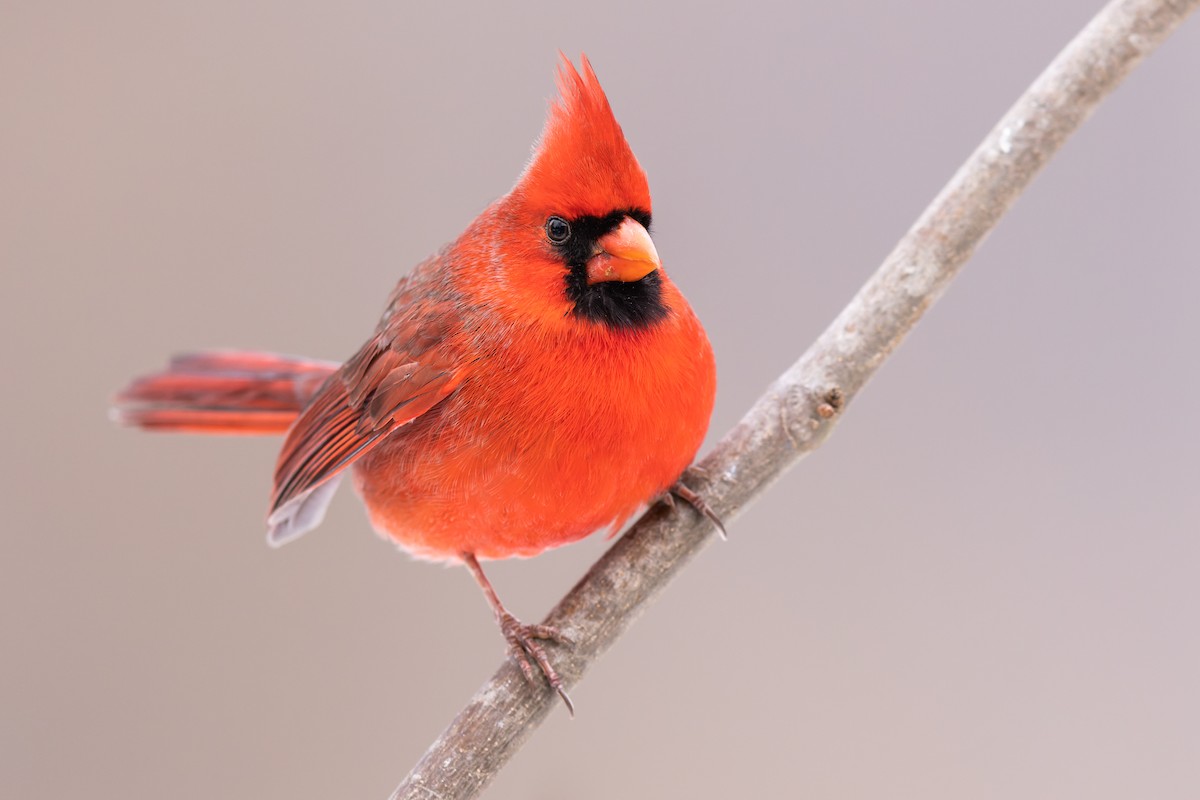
[984, 585]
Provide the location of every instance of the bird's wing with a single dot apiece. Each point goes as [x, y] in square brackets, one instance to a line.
[401, 373]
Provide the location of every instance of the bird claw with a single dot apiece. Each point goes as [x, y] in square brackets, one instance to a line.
[695, 500]
[523, 645]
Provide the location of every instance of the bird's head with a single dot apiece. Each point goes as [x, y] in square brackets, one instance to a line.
[580, 216]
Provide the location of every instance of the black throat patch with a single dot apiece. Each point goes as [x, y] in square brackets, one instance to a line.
[625, 305]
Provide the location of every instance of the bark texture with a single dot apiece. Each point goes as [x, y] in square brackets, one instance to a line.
[803, 405]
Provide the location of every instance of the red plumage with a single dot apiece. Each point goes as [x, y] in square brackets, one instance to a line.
[524, 388]
[223, 392]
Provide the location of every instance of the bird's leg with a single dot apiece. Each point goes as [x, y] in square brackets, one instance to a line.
[522, 639]
[679, 489]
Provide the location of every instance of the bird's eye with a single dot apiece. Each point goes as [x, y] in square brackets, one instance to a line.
[558, 230]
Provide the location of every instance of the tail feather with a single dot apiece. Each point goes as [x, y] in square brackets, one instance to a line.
[229, 392]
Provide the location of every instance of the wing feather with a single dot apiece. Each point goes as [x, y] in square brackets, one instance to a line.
[400, 374]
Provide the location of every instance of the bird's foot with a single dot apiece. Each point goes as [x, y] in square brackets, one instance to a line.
[523, 644]
[679, 489]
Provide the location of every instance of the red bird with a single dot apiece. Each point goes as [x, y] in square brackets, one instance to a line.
[538, 379]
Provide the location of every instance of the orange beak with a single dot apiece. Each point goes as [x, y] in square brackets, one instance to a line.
[626, 254]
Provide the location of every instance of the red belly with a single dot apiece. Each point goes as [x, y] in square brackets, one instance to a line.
[514, 469]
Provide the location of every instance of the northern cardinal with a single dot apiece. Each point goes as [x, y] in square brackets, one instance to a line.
[538, 379]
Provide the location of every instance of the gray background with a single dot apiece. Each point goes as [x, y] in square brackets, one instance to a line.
[985, 585]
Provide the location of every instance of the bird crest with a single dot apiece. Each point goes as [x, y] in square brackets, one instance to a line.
[582, 164]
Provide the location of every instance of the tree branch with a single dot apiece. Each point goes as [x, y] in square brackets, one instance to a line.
[800, 409]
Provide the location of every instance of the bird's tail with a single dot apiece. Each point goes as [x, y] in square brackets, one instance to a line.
[233, 392]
